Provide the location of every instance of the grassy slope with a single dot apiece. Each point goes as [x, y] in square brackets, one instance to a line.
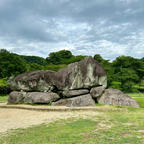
[125, 126]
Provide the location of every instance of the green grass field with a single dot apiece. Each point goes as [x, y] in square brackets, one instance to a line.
[3, 98]
[139, 97]
[140, 100]
[136, 94]
[124, 126]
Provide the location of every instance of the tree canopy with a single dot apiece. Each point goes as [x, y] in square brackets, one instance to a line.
[34, 59]
[11, 64]
[63, 57]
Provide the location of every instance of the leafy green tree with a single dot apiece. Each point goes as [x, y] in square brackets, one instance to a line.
[98, 58]
[11, 64]
[35, 66]
[64, 54]
[130, 63]
[59, 57]
[34, 59]
[127, 74]
[62, 57]
[128, 71]
[142, 59]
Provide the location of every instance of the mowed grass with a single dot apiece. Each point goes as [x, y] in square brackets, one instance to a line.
[3, 98]
[136, 94]
[140, 100]
[121, 126]
[139, 97]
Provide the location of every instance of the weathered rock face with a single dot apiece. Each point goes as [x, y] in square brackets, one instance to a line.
[16, 97]
[97, 91]
[84, 74]
[116, 97]
[84, 100]
[72, 93]
[33, 81]
[40, 97]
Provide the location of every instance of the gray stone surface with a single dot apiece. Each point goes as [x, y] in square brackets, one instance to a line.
[72, 93]
[84, 74]
[84, 100]
[16, 97]
[32, 81]
[97, 91]
[116, 97]
[40, 97]
[73, 80]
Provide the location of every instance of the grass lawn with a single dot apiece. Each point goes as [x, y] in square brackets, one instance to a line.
[138, 97]
[3, 98]
[140, 100]
[136, 94]
[124, 126]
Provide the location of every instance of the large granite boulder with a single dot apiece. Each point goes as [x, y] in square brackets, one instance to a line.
[16, 97]
[116, 97]
[97, 91]
[33, 81]
[73, 93]
[40, 97]
[84, 100]
[84, 74]
[78, 84]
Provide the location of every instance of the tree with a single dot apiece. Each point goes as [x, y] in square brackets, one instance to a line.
[34, 59]
[11, 64]
[59, 57]
[35, 66]
[53, 58]
[130, 63]
[62, 57]
[142, 59]
[98, 58]
[128, 71]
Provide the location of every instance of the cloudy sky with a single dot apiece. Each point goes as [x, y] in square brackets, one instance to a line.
[88, 27]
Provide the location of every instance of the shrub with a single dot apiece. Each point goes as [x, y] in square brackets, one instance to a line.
[4, 90]
[116, 85]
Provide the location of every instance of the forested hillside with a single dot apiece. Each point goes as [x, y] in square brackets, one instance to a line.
[125, 73]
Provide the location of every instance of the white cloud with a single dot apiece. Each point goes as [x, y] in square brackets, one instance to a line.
[110, 28]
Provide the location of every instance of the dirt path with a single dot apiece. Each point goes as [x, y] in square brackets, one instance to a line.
[16, 118]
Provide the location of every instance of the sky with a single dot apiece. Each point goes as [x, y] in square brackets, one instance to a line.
[110, 28]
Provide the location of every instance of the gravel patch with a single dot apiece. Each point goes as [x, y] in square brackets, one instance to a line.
[18, 118]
